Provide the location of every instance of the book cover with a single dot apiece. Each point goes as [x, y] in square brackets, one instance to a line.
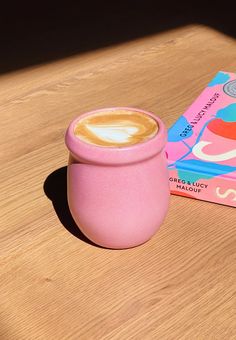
[201, 148]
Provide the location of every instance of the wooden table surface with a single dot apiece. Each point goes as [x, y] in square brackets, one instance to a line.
[54, 284]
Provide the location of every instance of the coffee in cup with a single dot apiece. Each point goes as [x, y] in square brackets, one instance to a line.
[116, 128]
[117, 176]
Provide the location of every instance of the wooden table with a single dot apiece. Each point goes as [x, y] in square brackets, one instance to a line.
[54, 283]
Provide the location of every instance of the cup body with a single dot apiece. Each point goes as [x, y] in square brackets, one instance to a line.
[118, 197]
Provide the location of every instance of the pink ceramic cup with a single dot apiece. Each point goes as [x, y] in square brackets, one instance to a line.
[118, 196]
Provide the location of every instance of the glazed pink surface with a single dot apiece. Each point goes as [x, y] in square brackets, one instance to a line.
[118, 196]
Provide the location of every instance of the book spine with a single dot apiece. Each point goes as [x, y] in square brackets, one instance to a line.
[217, 189]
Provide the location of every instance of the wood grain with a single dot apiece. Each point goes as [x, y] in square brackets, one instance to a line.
[179, 285]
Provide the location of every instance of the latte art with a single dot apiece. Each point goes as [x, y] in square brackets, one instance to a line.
[116, 128]
[117, 134]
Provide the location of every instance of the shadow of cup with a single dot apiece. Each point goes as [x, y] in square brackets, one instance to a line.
[55, 188]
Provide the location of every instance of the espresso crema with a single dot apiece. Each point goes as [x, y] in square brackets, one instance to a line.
[116, 128]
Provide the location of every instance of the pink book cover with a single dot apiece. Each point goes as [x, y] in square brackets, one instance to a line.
[201, 148]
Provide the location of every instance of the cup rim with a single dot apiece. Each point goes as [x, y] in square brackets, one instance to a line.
[90, 153]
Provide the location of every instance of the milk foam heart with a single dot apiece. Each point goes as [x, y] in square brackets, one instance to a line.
[117, 134]
[116, 128]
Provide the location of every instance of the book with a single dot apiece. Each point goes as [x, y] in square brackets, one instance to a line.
[201, 148]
